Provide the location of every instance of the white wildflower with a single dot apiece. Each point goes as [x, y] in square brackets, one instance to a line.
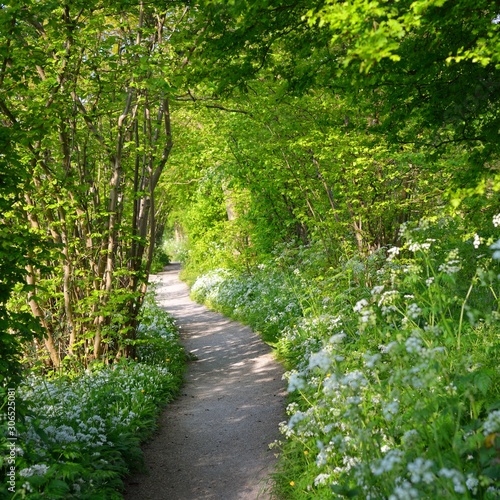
[330, 384]
[321, 479]
[415, 246]
[360, 305]
[413, 311]
[413, 345]
[353, 400]
[410, 437]
[452, 264]
[496, 220]
[354, 380]
[371, 359]
[295, 382]
[387, 463]
[368, 317]
[34, 470]
[296, 418]
[477, 241]
[492, 423]
[387, 298]
[337, 338]
[404, 491]
[320, 360]
[392, 252]
[472, 483]
[386, 349]
[496, 247]
[390, 409]
[420, 470]
[349, 462]
[456, 477]
[377, 290]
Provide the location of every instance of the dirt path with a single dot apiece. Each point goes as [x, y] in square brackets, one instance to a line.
[213, 440]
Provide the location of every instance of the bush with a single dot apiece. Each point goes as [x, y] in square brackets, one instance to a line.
[160, 260]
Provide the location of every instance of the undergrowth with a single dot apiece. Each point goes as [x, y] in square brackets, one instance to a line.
[392, 364]
[78, 434]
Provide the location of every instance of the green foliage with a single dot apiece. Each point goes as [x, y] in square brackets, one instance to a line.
[85, 103]
[341, 121]
[393, 373]
[15, 327]
[423, 73]
[311, 137]
[160, 260]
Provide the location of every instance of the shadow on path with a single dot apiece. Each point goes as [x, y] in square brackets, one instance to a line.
[213, 441]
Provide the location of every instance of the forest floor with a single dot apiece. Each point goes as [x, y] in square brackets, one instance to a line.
[213, 440]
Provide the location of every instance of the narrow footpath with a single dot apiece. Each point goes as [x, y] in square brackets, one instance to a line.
[213, 441]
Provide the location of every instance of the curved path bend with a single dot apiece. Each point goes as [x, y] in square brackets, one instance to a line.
[213, 440]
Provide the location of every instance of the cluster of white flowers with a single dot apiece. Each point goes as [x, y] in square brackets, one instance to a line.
[452, 264]
[414, 345]
[296, 381]
[354, 379]
[496, 220]
[496, 248]
[456, 477]
[386, 302]
[386, 349]
[392, 252]
[413, 311]
[404, 491]
[62, 409]
[390, 410]
[492, 423]
[364, 391]
[387, 463]
[477, 241]
[472, 483]
[337, 338]
[321, 360]
[207, 284]
[34, 470]
[367, 315]
[415, 246]
[377, 290]
[360, 305]
[421, 471]
[297, 417]
[410, 437]
[321, 479]
[371, 359]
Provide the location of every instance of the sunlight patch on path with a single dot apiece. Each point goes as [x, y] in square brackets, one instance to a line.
[213, 441]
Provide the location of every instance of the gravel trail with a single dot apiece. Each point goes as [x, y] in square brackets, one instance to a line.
[213, 441]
